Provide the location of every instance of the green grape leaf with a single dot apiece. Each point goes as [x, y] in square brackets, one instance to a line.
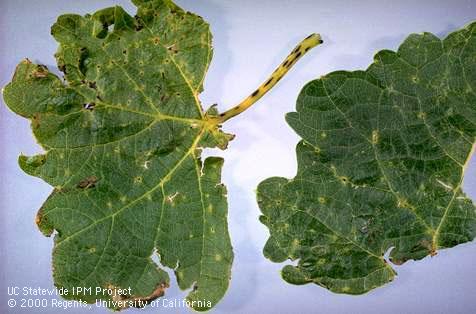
[123, 135]
[380, 166]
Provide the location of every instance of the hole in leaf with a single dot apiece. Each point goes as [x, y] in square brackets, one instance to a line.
[89, 106]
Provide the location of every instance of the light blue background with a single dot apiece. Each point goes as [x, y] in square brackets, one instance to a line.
[250, 39]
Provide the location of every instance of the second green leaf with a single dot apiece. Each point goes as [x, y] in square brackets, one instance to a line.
[380, 166]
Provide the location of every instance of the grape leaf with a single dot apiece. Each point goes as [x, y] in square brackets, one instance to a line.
[123, 137]
[380, 166]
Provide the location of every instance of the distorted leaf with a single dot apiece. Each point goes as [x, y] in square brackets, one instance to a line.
[380, 166]
[123, 135]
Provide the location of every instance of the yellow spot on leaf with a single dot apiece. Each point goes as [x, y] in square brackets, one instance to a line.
[171, 197]
[375, 137]
[402, 202]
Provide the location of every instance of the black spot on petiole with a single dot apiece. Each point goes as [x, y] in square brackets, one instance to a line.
[268, 82]
[255, 93]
